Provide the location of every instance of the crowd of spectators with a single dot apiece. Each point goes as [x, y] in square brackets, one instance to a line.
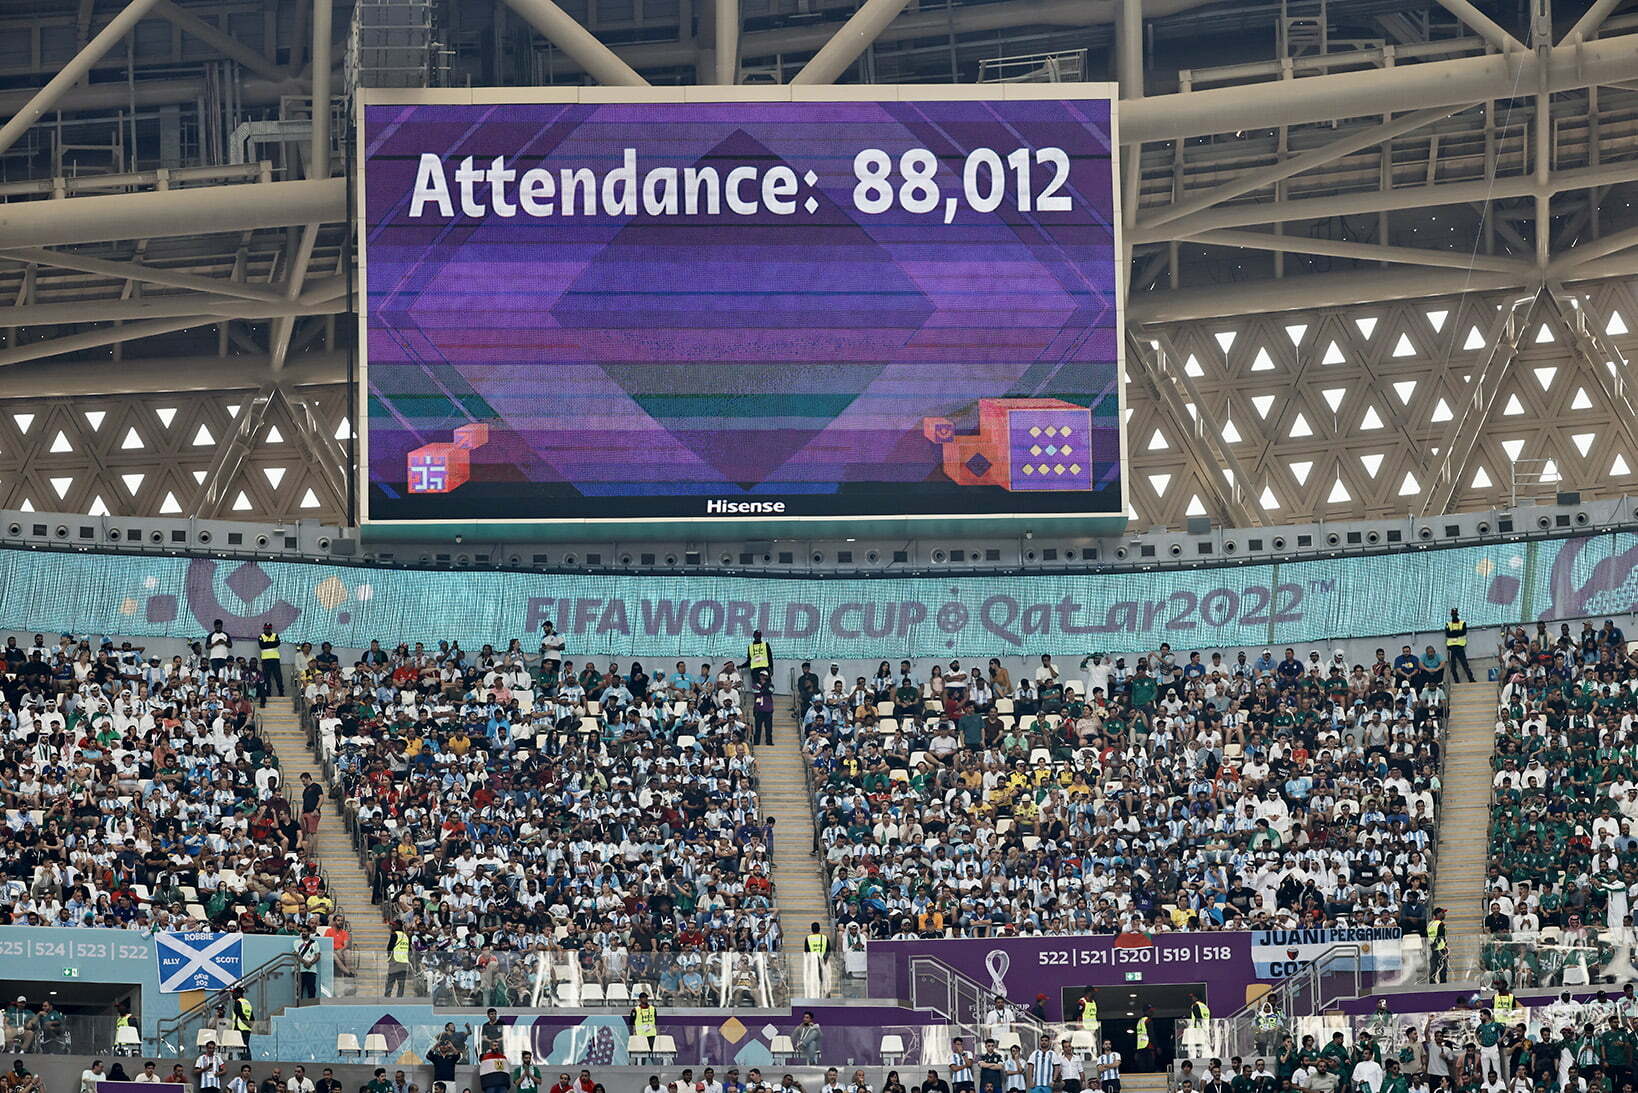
[1563, 869]
[1159, 791]
[138, 794]
[508, 805]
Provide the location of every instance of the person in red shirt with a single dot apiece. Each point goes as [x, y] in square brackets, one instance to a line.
[563, 1084]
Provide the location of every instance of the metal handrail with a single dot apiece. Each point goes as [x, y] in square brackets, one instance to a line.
[954, 981]
[172, 1032]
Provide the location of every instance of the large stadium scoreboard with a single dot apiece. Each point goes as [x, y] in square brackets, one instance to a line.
[643, 308]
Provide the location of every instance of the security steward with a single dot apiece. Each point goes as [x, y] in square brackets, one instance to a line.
[645, 1018]
[758, 655]
[1456, 646]
[1089, 1011]
[272, 667]
[244, 1016]
[1438, 945]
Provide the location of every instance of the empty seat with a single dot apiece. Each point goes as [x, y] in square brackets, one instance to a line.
[591, 994]
[375, 1043]
[637, 1046]
[782, 1048]
[232, 1040]
[207, 1036]
[665, 1047]
[617, 993]
[346, 1043]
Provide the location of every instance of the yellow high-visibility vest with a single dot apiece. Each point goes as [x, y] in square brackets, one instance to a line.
[1455, 634]
[400, 949]
[242, 1014]
[818, 943]
[270, 646]
[647, 1021]
[1199, 1015]
[1142, 1033]
[759, 654]
[1504, 1006]
[1089, 1014]
[1436, 934]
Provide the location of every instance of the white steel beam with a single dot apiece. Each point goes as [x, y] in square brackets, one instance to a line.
[136, 271]
[152, 375]
[74, 71]
[1320, 290]
[1504, 340]
[107, 335]
[1587, 26]
[1376, 91]
[929, 22]
[855, 36]
[1482, 25]
[174, 306]
[1368, 252]
[561, 29]
[1604, 360]
[1248, 181]
[197, 211]
[117, 95]
[318, 154]
[285, 325]
[221, 42]
[727, 41]
[1375, 201]
[1582, 253]
[1175, 393]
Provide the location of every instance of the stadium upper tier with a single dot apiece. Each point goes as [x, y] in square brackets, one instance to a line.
[138, 793]
[1156, 792]
[1564, 803]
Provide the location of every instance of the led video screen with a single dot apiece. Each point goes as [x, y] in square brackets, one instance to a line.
[710, 311]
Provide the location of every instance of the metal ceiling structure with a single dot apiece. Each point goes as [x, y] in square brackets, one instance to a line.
[1382, 252]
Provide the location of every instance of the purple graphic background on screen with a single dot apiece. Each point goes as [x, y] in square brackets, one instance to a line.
[632, 365]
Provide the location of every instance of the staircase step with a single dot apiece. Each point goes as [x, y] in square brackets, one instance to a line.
[332, 847]
[1464, 821]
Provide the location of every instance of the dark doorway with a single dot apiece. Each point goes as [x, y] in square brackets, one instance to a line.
[1119, 1008]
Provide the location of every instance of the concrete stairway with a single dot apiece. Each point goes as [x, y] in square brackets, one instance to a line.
[798, 878]
[1464, 823]
[332, 846]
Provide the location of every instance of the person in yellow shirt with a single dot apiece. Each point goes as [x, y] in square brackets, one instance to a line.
[459, 742]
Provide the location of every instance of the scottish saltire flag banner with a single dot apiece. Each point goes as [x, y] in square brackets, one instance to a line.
[198, 961]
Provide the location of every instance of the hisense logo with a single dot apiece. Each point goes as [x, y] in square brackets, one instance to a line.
[730, 508]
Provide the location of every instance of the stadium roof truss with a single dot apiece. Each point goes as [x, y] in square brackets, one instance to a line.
[1474, 349]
